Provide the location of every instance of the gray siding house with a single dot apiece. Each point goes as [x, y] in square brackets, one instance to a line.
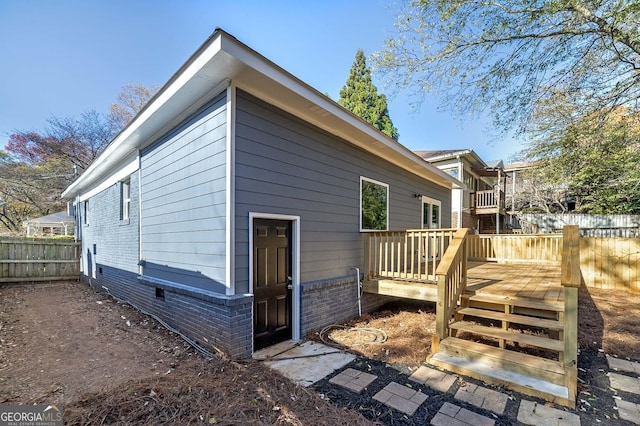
[233, 205]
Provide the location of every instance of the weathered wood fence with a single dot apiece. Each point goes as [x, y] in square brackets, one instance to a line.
[591, 225]
[38, 259]
[610, 263]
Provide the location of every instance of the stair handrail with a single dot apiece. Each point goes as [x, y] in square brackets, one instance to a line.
[571, 279]
[451, 276]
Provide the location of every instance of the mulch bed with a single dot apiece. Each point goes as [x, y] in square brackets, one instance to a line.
[378, 412]
[595, 400]
[215, 391]
[609, 322]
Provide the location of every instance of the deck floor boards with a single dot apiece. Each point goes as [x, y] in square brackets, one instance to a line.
[534, 281]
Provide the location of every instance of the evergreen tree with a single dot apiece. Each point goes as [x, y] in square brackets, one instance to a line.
[360, 96]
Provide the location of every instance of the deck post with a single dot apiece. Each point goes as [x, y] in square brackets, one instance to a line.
[571, 280]
[441, 316]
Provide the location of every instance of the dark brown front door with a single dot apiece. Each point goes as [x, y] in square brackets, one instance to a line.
[271, 282]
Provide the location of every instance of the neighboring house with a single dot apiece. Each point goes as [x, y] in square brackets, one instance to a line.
[480, 205]
[60, 223]
[233, 206]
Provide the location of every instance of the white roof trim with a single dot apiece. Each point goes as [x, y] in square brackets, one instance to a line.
[207, 72]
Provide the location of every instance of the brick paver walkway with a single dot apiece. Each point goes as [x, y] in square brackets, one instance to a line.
[623, 365]
[452, 415]
[354, 380]
[482, 397]
[401, 398]
[433, 378]
[628, 382]
[532, 413]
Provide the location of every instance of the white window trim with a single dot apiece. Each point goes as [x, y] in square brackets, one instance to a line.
[295, 266]
[377, 182]
[431, 202]
[125, 202]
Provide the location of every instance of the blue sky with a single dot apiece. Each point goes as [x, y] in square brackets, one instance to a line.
[63, 57]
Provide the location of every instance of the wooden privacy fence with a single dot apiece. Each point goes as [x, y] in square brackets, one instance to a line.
[515, 248]
[38, 259]
[611, 263]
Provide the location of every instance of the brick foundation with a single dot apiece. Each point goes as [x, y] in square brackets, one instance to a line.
[210, 319]
[333, 301]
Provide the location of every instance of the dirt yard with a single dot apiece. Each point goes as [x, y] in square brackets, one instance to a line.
[107, 363]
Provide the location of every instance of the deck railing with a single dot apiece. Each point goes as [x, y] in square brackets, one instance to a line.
[412, 254]
[488, 200]
[451, 276]
[545, 248]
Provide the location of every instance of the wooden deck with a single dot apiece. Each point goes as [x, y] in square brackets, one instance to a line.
[508, 317]
[524, 281]
[511, 296]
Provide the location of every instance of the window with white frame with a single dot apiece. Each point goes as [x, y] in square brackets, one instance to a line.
[430, 213]
[125, 199]
[374, 205]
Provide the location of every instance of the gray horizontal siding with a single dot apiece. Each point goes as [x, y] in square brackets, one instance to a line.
[184, 201]
[286, 166]
[116, 241]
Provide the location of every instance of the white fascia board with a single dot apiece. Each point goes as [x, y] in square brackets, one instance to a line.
[449, 155]
[133, 135]
[121, 174]
[319, 110]
[220, 59]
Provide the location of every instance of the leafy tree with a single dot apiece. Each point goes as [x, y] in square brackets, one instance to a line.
[38, 166]
[28, 191]
[538, 190]
[594, 158]
[509, 55]
[76, 140]
[131, 100]
[360, 96]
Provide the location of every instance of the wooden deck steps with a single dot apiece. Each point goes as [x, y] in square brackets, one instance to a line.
[521, 302]
[528, 384]
[486, 332]
[509, 335]
[513, 318]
